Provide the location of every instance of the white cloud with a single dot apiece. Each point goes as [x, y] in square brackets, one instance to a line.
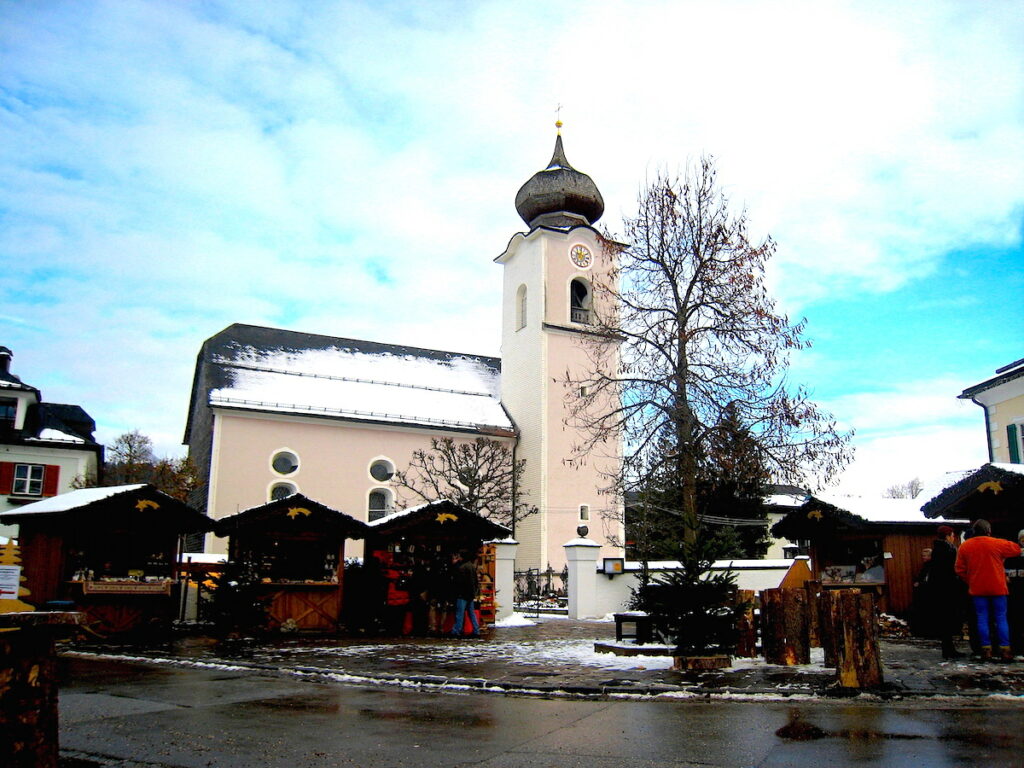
[349, 168]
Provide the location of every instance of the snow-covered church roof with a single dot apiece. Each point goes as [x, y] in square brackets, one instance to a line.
[253, 368]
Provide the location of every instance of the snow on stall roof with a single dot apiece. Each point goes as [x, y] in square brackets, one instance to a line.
[880, 510]
[379, 386]
[932, 487]
[402, 513]
[1015, 468]
[72, 500]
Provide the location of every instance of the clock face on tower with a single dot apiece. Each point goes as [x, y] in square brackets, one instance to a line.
[581, 256]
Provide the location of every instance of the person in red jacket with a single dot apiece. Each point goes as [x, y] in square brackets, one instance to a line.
[979, 562]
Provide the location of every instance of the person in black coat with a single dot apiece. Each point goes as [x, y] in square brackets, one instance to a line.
[467, 584]
[946, 591]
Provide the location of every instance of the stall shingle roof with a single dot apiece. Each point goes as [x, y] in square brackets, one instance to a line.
[971, 483]
[437, 513]
[296, 506]
[144, 500]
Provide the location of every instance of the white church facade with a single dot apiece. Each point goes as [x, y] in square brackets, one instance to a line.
[275, 411]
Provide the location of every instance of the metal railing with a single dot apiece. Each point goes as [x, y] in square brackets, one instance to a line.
[578, 315]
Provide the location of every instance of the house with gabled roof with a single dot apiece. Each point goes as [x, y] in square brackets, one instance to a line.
[44, 446]
[276, 411]
[1002, 399]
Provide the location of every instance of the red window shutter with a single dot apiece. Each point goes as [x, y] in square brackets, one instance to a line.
[6, 477]
[50, 477]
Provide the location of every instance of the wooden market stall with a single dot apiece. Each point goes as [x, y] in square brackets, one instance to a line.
[295, 549]
[875, 545]
[994, 492]
[111, 552]
[413, 551]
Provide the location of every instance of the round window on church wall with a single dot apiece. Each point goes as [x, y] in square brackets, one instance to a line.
[382, 470]
[281, 491]
[285, 462]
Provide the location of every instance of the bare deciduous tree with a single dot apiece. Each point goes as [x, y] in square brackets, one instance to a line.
[131, 460]
[907, 490]
[480, 475]
[701, 349]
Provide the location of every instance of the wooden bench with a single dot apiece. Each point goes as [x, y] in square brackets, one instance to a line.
[642, 627]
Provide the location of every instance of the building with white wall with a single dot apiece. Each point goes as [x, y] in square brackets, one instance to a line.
[1002, 399]
[44, 446]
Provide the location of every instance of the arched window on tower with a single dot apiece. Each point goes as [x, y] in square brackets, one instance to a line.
[521, 307]
[579, 301]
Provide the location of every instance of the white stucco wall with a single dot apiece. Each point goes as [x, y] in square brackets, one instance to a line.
[334, 461]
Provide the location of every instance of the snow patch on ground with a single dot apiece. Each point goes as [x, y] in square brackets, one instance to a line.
[515, 620]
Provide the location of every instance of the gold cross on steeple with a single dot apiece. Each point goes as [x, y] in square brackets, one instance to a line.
[558, 119]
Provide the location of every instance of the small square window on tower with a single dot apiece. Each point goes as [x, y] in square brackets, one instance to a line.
[584, 512]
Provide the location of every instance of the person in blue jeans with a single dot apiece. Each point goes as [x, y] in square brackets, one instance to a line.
[979, 562]
[467, 584]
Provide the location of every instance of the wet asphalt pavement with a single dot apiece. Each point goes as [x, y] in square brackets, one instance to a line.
[556, 658]
[145, 715]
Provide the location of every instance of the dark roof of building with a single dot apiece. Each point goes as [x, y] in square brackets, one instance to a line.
[72, 420]
[256, 368]
[296, 512]
[1004, 374]
[559, 195]
[7, 379]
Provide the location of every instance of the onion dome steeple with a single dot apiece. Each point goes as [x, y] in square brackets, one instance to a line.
[559, 196]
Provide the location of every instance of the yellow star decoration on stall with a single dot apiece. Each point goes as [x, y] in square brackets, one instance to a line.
[444, 517]
[145, 504]
[992, 485]
[814, 514]
[294, 512]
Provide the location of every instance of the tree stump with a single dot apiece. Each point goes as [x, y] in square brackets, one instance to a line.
[826, 628]
[813, 613]
[855, 632]
[746, 643]
[28, 687]
[784, 626]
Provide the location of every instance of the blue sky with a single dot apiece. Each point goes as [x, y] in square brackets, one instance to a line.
[349, 168]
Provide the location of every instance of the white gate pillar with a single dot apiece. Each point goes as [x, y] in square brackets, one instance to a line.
[504, 577]
[581, 555]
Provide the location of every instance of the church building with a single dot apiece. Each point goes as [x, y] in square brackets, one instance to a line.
[275, 412]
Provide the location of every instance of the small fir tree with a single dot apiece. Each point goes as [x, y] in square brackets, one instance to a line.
[694, 608]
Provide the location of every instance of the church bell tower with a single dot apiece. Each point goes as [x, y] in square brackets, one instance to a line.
[547, 301]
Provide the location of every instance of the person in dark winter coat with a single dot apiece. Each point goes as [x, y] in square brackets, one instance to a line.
[467, 584]
[946, 591]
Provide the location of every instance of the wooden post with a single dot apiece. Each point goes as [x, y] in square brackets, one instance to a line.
[784, 625]
[858, 660]
[28, 687]
[813, 613]
[826, 625]
[746, 644]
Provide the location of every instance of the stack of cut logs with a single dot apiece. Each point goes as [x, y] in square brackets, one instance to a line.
[841, 621]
